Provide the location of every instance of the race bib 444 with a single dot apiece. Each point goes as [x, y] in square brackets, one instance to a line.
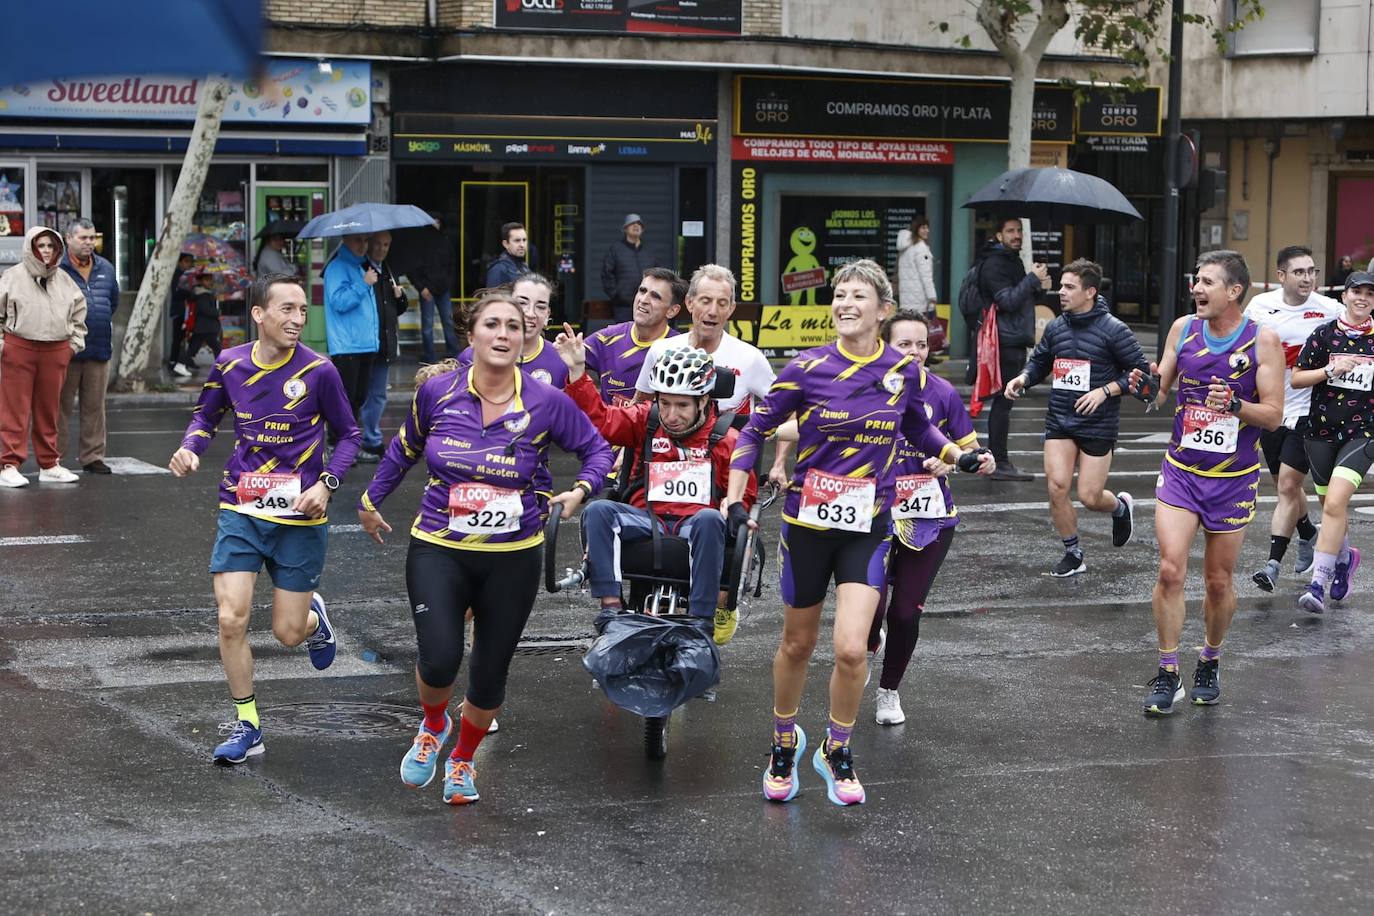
[830, 501]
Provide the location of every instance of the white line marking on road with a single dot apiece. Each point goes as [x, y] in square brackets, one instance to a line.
[42, 540]
[134, 467]
[1140, 503]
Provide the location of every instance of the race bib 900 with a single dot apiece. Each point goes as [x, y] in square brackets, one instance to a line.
[680, 482]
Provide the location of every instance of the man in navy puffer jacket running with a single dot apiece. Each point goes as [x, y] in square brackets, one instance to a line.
[1088, 353]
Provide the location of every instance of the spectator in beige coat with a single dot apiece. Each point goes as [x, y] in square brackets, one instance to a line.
[42, 325]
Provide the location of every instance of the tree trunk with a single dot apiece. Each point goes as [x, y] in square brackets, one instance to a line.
[1019, 133]
[150, 305]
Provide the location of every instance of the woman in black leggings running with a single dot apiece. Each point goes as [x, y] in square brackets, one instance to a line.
[484, 431]
[923, 517]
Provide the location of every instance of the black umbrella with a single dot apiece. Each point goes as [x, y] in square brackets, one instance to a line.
[286, 227]
[1054, 196]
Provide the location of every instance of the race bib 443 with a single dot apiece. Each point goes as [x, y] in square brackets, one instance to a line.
[830, 501]
[1072, 374]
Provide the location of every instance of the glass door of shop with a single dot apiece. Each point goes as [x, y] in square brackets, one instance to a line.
[483, 208]
[14, 192]
[296, 204]
[124, 208]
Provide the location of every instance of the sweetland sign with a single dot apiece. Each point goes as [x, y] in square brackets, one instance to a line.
[289, 92]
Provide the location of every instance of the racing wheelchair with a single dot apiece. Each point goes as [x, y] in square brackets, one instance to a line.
[656, 571]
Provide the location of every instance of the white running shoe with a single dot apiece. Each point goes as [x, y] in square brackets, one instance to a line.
[180, 371]
[57, 474]
[889, 708]
[495, 727]
[10, 477]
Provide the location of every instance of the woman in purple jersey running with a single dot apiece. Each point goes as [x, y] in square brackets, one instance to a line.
[923, 518]
[484, 432]
[854, 400]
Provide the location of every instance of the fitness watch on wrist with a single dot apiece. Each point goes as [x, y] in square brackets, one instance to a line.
[1330, 371]
[1234, 406]
[331, 483]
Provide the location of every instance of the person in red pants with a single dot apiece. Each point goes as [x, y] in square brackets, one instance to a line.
[42, 325]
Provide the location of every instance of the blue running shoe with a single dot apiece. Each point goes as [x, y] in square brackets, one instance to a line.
[842, 787]
[244, 741]
[1166, 689]
[1312, 601]
[1345, 576]
[780, 782]
[459, 788]
[421, 762]
[321, 642]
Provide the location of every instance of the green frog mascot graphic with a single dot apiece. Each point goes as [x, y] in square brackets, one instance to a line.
[803, 244]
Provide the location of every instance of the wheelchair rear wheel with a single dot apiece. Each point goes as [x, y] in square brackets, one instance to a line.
[656, 737]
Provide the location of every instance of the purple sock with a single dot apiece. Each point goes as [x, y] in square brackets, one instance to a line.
[1323, 568]
[1209, 652]
[1169, 660]
[785, 729]
[839, 734]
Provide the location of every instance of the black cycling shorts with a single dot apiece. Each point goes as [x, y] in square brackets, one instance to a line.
[1349, 460]
[810, 558]
[1284, 446]
[1093, 448]
[499, 586]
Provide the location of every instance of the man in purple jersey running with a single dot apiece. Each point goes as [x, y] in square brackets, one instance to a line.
[1230, 386]
[617, 352]
[274, 492]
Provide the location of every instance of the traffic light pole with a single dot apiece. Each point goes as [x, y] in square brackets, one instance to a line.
[1169, 268]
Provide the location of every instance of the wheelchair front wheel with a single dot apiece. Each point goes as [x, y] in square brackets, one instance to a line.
[656, 737]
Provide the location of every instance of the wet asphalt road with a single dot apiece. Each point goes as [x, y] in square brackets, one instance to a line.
[1024, 781]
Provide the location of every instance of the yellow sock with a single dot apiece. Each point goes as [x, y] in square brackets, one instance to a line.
[247, 709]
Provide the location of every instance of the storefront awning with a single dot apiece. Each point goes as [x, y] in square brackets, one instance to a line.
[304, 144]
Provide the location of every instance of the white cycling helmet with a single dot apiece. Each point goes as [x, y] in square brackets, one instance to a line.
[683, 370]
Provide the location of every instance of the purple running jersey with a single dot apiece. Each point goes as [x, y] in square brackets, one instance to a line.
[1208, 442]
[280, 415]
[615, 354]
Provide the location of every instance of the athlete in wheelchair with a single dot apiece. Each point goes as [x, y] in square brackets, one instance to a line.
[662, 532]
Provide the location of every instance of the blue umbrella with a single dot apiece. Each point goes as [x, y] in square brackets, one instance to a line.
[1053, 196]
[131, 37]
[365, 218]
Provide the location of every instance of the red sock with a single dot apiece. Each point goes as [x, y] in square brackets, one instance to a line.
[469, 736]
[434, 717]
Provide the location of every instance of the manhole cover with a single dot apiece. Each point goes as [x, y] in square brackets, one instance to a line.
[352, 720]
[553, 646]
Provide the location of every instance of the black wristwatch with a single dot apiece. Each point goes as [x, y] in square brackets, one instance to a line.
[1234, 406]
[331, 483]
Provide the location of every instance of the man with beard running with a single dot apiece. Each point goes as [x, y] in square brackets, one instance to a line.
[1293, 311]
